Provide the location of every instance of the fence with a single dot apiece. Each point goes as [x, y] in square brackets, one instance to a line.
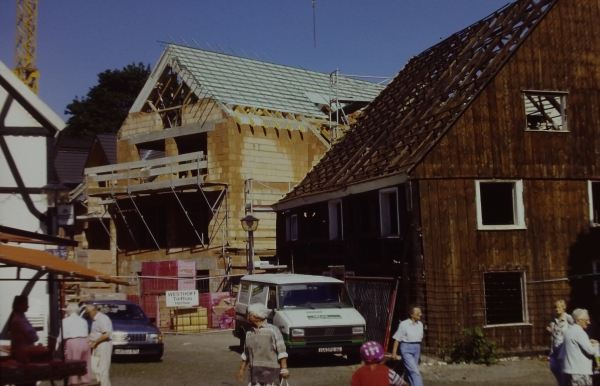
[512, 305]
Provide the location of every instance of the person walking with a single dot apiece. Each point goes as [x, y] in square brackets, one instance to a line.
[409, 337]
[557, 327]
[373, 373]
[100, 344]
[74, 334]
[578, 351]
[264, 351]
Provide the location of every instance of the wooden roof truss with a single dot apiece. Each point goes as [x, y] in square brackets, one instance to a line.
[408, 118]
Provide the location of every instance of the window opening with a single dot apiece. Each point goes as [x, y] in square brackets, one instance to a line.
[293, 227]
[388, 212]
[500, 204]
[504, 298]
[155, 217]
[545, 111]
[335, 220]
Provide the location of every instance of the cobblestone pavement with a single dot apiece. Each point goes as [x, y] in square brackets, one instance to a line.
[213, 359]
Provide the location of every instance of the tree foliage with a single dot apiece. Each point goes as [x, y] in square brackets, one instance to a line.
[106, 105]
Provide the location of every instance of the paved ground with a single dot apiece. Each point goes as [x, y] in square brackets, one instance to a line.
[213, 359]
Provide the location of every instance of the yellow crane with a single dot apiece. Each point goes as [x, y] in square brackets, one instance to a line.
[25, 43]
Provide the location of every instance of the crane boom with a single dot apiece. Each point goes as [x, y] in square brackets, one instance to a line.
[25, 43]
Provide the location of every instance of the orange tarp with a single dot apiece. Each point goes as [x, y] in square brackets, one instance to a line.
[42, 261]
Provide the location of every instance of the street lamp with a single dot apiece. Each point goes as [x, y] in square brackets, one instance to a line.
[56, 194]
[249, 224]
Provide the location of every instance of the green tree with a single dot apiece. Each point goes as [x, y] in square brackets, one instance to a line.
[106, 105]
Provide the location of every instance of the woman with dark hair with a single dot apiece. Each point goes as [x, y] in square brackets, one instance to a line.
[22, 334]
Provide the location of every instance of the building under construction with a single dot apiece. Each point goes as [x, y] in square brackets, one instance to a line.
[210, 139]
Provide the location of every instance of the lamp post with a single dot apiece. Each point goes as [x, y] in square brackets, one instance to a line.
[249, 224]
[56, 194]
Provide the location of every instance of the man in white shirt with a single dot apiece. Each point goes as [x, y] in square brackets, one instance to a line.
[409, 337]
[100, 344]
[578, 351]
[75, 333]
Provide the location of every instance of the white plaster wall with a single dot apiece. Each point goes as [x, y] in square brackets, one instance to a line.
[29, 154]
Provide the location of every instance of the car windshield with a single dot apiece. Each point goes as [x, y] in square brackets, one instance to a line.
[314, 295]
[122, 311]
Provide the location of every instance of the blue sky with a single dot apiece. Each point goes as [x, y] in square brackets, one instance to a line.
[78, 39]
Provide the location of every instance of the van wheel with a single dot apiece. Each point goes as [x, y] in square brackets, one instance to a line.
[354, 357]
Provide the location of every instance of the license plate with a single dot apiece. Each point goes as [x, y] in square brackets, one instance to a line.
[330, 349]
[129, 351]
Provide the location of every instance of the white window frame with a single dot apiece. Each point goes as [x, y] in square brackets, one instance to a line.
[563, 109]
[591, 203]
[385, 222]
[518, 206]
[524, 305]
[334, 227]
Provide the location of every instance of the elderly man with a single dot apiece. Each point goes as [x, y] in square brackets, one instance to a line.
[100, 344]
[264, 350]
[75, 333]
[578, 351]
[409, 337]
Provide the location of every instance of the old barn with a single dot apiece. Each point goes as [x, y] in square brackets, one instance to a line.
[474, 176]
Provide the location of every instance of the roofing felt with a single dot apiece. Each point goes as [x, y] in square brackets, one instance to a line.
[109, 145]
[233, 80]
[423, 101]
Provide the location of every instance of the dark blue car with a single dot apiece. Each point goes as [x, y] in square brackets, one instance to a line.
[134, 334]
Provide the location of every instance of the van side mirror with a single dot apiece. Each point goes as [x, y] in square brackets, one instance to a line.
[152, 320]
[271, 304]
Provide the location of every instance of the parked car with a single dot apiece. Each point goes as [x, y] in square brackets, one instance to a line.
[134, 334]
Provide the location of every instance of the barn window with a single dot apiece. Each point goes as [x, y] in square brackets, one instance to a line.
[545, 111]
[291, 228]
[335, 220]
[388, 211]
[594, 192]
[505, 301]
[500, 205]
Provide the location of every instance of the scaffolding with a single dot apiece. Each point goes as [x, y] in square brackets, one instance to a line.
[168, 175]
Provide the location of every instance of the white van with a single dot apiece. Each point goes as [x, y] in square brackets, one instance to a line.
[315, 314]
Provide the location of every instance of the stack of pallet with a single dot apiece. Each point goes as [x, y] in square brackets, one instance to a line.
[189, 319]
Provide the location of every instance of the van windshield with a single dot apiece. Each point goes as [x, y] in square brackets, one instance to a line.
[314, 295]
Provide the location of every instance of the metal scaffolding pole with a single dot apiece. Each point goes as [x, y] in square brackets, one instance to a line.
[144, 221]
[125, 221]
[188, 217]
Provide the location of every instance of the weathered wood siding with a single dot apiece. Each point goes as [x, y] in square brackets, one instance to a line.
[490, 141]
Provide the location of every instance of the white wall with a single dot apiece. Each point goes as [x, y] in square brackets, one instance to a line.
[30, 155]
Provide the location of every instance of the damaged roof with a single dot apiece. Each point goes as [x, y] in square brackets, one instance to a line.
[423, 101]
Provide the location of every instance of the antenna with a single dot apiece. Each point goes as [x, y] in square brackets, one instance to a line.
[173, 41]
[183, 41]
[209, 46]
[314, 24]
